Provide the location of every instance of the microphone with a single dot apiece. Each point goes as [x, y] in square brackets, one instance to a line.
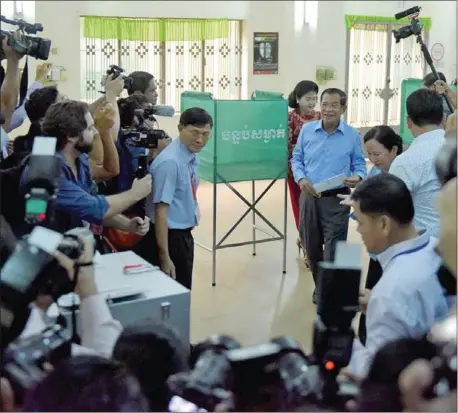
[164, 110]
[407, 13]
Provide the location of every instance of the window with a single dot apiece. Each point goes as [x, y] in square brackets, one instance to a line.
[377, 67]
[211, 65]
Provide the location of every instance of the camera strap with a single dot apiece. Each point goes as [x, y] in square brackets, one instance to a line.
[24, 83]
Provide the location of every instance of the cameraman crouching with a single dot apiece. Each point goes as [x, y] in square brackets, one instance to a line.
[76, 203]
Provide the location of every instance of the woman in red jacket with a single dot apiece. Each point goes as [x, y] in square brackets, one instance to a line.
[302, 100]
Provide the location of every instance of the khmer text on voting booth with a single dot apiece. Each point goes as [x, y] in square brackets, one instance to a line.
[249, 143]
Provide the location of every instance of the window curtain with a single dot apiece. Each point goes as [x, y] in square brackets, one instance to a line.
[352, 20]
[136, 29]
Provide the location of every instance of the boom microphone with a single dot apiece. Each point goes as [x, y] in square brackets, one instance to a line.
[164, 110]
[407, 13]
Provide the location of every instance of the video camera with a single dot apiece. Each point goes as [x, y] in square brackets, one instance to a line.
[117, 71]
[143, 136]
[41, 179]
[278, 376]
[415, 28]
[23, 360]
[31, 270]
[31, 46]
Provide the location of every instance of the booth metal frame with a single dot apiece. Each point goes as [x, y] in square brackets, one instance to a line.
[251, 207]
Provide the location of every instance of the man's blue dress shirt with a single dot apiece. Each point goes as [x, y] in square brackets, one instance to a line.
[319, 156]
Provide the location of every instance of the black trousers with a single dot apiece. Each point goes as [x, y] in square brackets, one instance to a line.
[181, 250]
[323, 222]
[374, 273]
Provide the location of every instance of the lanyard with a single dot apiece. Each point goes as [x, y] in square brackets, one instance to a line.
[411, 251]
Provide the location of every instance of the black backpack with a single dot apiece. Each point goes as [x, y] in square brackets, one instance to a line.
[12, 202]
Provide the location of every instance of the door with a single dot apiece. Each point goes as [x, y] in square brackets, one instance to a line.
[376, 68]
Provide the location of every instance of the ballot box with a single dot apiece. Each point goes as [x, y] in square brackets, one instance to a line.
[135, 293]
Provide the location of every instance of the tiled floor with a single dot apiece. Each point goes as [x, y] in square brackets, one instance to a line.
[252, 301]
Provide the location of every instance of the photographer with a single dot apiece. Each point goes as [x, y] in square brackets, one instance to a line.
[99, 330]
[35, 107]
[10, 85]
[143, 83]
[71, 123]
[20, 114]
[87, 384]
[440, 86]
[153, 352]
[408, 298]
[103, 158]
[105, 123]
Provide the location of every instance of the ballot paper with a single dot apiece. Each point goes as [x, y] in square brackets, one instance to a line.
[331, 183]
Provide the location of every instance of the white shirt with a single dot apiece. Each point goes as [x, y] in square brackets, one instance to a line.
[416, 167]
[405, 303]
[99, 330]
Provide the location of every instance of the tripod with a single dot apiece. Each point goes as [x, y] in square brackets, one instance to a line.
[429, 60]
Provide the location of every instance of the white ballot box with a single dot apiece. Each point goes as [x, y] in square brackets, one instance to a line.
[135, 290]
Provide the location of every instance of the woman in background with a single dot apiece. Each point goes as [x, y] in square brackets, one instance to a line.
[302, 100]
[382, 145]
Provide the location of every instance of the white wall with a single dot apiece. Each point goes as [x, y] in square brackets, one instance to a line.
[301, 48]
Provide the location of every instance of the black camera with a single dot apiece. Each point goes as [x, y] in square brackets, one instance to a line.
[23, 359]
[41, 179]
[117, 71]
[31, 270]
[414, 28]
[31, 46]
[143, 136]
[278, 376]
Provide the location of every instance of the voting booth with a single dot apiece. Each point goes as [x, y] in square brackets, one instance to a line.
[249, 142]
[408, 86]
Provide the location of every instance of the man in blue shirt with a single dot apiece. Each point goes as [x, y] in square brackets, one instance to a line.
[77, 204]
[173, 206]
[408, 299]
[325, 149]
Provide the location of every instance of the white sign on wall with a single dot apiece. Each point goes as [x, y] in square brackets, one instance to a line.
[437, 52]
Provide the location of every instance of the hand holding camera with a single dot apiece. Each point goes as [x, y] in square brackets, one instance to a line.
[113, 86]
[141, 188]
[104, 118]
[82, 267]
[10, 52]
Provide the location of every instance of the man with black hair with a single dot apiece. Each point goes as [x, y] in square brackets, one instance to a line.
[408, 299]
[425, 115]
[143, 83]
[325, 149]
[36, 106]
[173, 207]
[440, 86]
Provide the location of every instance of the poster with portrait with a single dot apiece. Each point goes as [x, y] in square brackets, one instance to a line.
[265, 53]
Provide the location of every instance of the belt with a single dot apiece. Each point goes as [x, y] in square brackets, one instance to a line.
[333, 192]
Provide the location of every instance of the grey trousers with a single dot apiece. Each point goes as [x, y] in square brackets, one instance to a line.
[323, 222]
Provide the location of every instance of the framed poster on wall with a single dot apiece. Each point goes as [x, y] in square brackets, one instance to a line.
[265, 53]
